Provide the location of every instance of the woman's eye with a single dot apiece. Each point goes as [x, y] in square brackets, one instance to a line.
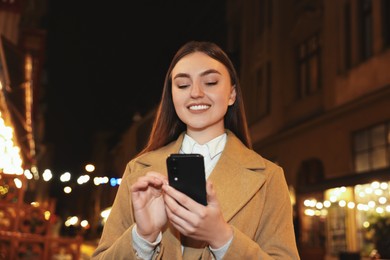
[183, 86]
[211, 83]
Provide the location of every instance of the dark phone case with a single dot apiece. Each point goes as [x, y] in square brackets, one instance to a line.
[186, 173]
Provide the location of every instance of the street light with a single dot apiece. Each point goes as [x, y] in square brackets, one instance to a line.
[89, 167]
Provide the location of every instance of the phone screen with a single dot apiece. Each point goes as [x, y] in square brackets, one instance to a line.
[186, 173]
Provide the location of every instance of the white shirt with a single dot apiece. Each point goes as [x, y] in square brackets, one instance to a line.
[211, 150]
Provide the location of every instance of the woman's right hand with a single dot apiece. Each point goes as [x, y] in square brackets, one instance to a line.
[148, 205]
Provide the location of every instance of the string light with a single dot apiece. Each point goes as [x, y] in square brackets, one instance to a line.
[373, 197]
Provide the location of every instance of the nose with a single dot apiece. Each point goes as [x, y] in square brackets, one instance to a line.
[196, 91]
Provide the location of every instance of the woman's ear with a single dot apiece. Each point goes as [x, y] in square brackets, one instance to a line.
[233, 94]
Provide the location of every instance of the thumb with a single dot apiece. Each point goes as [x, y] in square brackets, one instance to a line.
[211, 194]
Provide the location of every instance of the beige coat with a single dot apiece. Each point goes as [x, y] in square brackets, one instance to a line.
[253, 196]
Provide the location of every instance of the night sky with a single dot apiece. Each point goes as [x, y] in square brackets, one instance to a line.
[107, 60]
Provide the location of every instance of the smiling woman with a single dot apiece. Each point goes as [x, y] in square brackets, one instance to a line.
[248, 203]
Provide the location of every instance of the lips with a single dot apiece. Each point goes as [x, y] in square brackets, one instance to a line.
[198, 107]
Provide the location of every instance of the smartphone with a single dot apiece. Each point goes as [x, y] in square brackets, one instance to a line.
[186, 173]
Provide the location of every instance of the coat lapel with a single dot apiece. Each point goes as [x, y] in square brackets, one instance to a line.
[156, 160]
[237, 176]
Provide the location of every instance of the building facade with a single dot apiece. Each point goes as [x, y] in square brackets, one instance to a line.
[316, 81]
[28, 227]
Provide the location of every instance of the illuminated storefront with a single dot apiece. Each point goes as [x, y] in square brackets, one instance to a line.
[348, 219]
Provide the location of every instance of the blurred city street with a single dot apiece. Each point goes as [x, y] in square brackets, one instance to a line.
[80, 82]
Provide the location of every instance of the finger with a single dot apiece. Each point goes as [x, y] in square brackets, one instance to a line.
[139, 185]
[179, 223]
[211, 194]
[157, 175]
[143, 182]
[178, 212]
[182, 216]
[174, 206]
[182, 199]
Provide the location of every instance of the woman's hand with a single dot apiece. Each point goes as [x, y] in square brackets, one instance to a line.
[148, 205]
[196, 221]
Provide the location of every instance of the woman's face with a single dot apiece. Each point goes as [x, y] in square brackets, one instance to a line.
[202, 92]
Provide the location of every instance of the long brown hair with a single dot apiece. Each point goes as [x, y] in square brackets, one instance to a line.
[167, 126]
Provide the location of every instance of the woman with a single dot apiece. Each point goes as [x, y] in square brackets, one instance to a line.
[249, 214]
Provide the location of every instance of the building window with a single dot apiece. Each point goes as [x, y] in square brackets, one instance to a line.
[365, 16]
[386, 23]
[309, 66]
[371, 148]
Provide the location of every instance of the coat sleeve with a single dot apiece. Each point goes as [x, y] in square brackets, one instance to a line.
[274, 237]
[116, 239]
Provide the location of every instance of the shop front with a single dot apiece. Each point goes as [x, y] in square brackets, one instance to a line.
[346, 218]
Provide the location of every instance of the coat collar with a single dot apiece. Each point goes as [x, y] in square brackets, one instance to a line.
[236, 178]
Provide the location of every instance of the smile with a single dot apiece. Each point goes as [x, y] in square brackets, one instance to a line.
[199, 107]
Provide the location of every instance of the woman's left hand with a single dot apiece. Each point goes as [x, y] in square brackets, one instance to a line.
[194, 220]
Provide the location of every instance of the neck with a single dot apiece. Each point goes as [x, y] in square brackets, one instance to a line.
[206, 135]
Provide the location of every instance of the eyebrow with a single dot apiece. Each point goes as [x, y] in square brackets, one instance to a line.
[204, 73]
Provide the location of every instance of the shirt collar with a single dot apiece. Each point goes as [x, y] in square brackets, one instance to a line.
[214, 146]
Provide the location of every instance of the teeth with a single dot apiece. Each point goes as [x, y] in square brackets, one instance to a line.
[199, 107]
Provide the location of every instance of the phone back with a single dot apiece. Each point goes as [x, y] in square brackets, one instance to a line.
[186, 173]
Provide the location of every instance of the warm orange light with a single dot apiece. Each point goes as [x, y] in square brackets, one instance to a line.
[10, 159]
